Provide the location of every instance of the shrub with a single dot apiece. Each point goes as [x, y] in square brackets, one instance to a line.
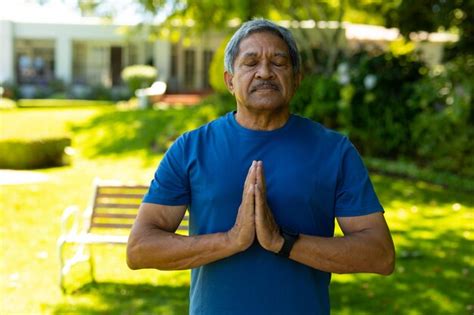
[318, 98]
[379, 114]
[6, 103]
[10, 90]
[37, 103]
[222, 102]
[31, 154]
[216, 70]
[139, 76]
[442, 134]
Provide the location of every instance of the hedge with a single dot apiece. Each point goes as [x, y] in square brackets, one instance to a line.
[31, 154]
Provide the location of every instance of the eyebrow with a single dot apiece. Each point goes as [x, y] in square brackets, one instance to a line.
[254, 54]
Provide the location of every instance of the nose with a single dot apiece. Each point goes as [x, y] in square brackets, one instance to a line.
[265, 71]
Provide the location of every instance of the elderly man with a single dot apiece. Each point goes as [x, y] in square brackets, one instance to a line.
[263, 188]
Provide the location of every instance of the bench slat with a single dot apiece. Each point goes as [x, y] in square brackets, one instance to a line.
[127, 226]
[112, 225]
[120, 195]
[123, 187]
[118, 205]
[115, 215]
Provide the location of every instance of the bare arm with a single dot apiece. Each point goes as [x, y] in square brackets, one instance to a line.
[365, 247]
[153, 243]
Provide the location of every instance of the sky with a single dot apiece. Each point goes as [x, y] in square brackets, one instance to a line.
[57, 11]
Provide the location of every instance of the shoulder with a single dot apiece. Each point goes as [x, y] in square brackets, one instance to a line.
[320, 133]
[197, 139]
[205, 130]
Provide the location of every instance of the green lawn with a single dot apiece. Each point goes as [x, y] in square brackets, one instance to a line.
[432, 227]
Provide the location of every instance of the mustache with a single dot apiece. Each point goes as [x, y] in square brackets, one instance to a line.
[264, 85]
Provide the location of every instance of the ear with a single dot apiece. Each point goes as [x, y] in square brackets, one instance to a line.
[228, 82]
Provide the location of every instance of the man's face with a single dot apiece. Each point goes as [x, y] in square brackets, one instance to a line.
[263, 76]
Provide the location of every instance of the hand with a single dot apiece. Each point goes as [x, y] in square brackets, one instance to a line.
[268, 232]
[242, 234]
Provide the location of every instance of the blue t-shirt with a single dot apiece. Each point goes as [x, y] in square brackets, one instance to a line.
[312, 174]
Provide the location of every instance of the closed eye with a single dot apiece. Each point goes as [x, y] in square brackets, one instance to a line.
[250, 63]
[280, 61]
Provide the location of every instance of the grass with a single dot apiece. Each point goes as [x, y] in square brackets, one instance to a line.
[60, 103]
[431, 225]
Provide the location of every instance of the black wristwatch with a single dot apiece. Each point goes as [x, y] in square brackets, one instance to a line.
[289, 240]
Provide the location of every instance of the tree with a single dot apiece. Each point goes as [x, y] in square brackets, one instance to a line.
[435, 15]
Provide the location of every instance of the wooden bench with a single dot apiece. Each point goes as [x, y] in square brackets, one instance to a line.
[107, 220]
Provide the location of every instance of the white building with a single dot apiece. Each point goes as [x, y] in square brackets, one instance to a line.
[88, 52]
[94, 53]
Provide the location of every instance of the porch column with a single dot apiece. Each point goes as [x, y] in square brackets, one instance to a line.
[7, 59]
[162, 59]
[63, 59]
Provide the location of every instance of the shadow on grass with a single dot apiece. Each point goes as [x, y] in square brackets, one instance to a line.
[434, 271]
[431, 277]
[128, 131]
[118, 298]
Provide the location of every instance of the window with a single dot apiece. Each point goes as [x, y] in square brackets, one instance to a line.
[174, 61]
[79, 63]
[34, 61]
[189, 68]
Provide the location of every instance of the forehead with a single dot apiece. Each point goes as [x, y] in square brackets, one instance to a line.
[263, 42]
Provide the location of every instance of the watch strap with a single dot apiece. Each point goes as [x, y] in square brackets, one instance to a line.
[289, 240]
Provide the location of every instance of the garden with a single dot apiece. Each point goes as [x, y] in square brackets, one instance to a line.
[431, 225]
[412, 122]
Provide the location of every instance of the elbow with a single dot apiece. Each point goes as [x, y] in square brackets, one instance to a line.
[132, 256]
[387, 265]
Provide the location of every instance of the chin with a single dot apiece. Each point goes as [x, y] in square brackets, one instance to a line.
[267, 103]
[267, 106]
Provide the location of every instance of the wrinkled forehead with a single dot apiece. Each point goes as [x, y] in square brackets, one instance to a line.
[280, 47]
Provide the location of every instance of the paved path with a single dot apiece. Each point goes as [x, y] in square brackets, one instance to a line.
[12, 177]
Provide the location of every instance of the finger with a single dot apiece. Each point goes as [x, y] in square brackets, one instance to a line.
[250, 174]
[261, 177]
[259, 203]
[248, 200]
[249, 179]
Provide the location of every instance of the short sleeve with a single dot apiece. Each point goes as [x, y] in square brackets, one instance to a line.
[170, 184]
[355, 193]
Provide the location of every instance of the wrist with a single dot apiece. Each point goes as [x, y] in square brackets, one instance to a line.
[289, 240]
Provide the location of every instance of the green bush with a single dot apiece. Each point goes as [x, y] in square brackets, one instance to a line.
[379, 114]
[139, 76]
[222, 102]
[27, 103]
[442, 134]
[31, 154]
[318, 98]
[216, 71]
[410, 170]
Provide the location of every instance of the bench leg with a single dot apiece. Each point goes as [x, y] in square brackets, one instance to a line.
[91, 263]
[66, 264]
[61, 267]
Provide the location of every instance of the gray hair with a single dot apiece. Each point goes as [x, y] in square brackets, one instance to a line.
[255, 26]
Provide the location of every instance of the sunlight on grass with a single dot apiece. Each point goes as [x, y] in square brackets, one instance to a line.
[432, 227]
[43, 122]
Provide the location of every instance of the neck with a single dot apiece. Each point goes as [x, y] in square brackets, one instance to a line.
[262, 120]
